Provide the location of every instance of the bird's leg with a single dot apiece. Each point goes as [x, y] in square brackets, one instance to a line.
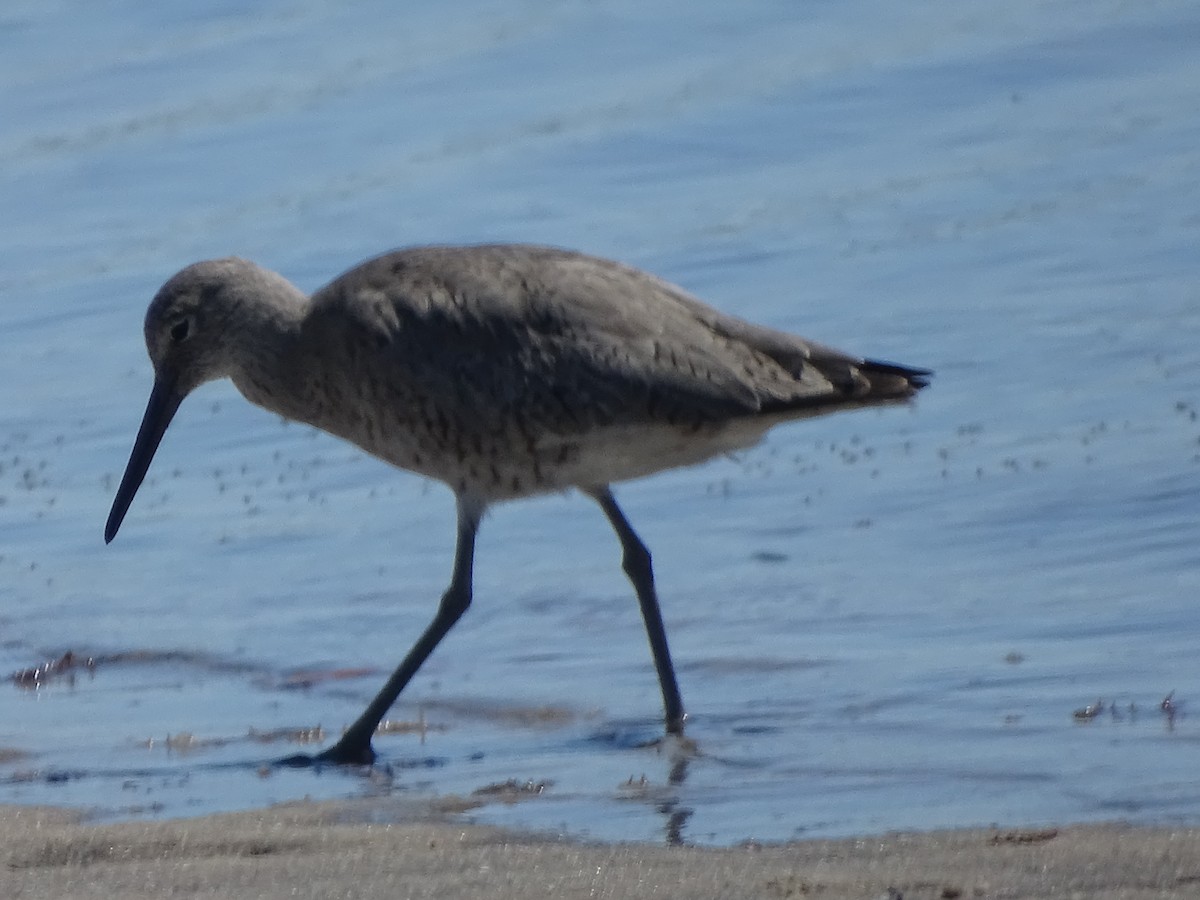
[637, 565]
[355, 745]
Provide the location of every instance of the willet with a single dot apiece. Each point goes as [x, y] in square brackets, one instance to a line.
[503, 371]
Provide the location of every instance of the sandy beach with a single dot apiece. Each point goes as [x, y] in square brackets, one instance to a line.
[328, 850]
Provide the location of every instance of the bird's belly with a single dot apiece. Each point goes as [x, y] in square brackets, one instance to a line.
[505, 467]
[623, 453]
[496, 460]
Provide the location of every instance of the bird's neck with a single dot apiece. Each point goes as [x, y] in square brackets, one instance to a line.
[264, 349]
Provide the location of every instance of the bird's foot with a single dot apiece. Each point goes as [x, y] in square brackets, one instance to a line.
[340, 754]
[349, 753]
[296, 761]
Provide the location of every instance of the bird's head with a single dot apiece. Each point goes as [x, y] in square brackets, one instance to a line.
[191, 337]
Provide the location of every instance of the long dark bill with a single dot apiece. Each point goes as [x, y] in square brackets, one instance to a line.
[164, 401]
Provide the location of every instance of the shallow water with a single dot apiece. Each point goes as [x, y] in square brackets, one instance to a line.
[881, 620]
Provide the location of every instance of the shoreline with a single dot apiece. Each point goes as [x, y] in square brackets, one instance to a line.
[326, 849]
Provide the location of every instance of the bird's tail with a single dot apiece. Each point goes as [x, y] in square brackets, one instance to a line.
[843, 382]
[891, 380]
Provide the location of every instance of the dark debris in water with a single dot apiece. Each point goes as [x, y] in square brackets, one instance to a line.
[508, 792]
[185, 742]
[1089, 712]
[400, 726]
[67, 665]
[309, 735]
[512, 715]
[51, 776]
[71, 663]
[308, 678]
[512, 790]
[1169, 707]
[769, 556]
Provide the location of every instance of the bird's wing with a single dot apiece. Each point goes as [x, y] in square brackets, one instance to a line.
[515, 330]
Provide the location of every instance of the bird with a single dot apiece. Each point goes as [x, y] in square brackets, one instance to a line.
[504, 371]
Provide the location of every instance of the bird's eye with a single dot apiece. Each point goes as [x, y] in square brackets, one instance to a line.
[179, 331]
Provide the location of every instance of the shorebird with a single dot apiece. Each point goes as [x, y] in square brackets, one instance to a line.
[504, 371]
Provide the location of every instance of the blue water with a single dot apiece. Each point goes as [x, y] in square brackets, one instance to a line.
[881, 620]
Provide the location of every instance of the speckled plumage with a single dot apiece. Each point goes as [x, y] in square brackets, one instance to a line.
[501, 370]
[511, 370]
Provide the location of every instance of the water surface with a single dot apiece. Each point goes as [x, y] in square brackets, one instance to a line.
[881, 620]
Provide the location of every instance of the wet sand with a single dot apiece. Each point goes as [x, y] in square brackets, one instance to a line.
[331, 850]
